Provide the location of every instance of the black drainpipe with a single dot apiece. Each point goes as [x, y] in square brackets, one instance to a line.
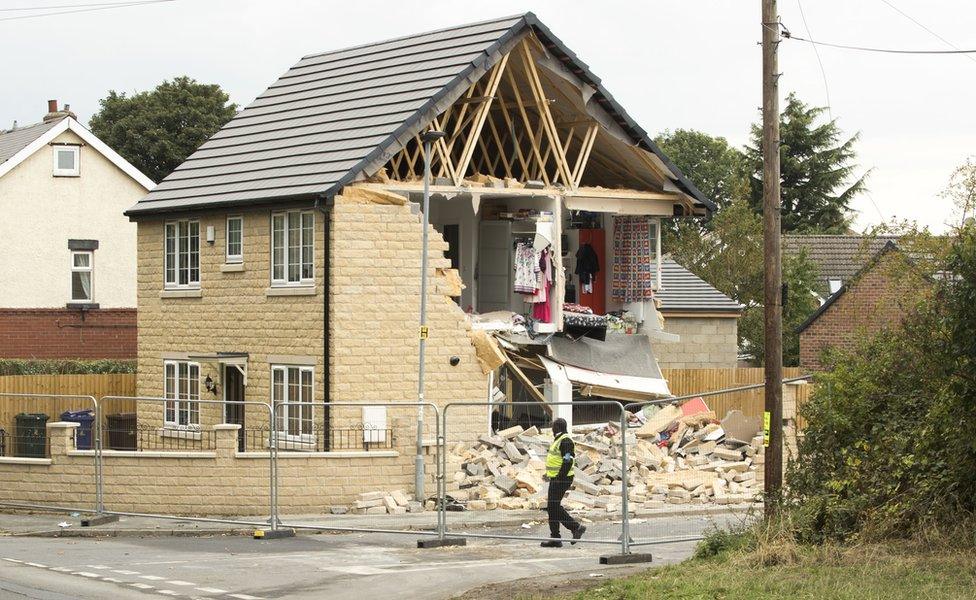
[324, 204]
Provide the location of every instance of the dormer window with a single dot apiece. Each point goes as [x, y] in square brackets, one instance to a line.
[66, 161]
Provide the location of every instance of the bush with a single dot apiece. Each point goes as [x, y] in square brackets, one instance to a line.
[9, 366]
[889, 451]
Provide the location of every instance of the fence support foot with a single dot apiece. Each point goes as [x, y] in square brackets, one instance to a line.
[440, 543]
[100, 520]
[624, 559]
[273, 534]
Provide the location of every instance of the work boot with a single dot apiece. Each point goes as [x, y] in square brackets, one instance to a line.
[578, 534]
[552, 544]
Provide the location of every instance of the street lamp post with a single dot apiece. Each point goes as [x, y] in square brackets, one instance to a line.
[427, 138]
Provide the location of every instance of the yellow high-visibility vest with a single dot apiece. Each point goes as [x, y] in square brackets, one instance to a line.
[554, 460]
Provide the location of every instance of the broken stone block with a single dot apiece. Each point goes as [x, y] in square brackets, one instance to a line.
[505, 484]
[511, 432]
[376, 510]
[389, 503]
[400, 497]
[512, 452]
[338, 510]
[511, 503]
[415, 507]
[477, 505]
[474, 469]
[367, 496]
[369, 503]
[585, 486]
[727, 454]
[398, 510]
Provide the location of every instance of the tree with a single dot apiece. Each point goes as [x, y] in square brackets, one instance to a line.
[816, 166]
[715, 167]
[961, 190]
[730, 258]
[157, 130]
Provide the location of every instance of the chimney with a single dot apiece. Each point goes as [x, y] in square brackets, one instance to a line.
[53, 114]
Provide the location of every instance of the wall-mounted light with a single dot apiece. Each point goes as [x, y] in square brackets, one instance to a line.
[211, 235]
[210, 385]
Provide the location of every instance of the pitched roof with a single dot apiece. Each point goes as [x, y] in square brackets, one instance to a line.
[14, 140]
[339, 116]
[836, 256]
[23, 146]
[888, 246]
[683, 291]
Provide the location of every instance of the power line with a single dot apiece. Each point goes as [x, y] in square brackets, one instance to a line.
[917, 22]
[816, 51]
[54, 6]
[83, 10]
[790, 36]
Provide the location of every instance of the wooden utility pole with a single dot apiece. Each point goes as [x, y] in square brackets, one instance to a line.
[773, 268]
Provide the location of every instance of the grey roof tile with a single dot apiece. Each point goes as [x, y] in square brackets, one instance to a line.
[338, 114]
[15, 140]
[683, 291]
[836, 256]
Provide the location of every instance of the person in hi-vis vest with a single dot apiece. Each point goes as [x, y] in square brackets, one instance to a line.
[560, 462]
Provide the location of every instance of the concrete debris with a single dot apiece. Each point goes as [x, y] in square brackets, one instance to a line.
[677, 454]
[397, 502]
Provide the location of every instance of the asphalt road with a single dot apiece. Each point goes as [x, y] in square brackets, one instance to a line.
[308, 566]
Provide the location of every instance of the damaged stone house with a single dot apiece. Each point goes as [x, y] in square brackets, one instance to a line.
[281, 261]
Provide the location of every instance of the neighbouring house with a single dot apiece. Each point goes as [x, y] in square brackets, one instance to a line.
[69, 255]
[867, 295]
[281, 262]
[704, 320]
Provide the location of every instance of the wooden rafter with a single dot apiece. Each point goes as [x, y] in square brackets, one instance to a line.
[482, 113]
[544, 112]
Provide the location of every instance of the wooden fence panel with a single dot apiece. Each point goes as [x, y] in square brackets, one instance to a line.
[107, 384]
[685, 382]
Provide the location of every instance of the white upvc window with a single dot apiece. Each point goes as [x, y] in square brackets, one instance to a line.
[67, 161]
[293, 384]
[82, 270]
[182, 389]
[182, 254]
[234, 252]
[292, 248]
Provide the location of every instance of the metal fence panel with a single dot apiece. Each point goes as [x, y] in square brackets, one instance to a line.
[363, 478]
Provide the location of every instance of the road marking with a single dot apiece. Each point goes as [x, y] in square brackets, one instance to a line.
[152, 577]
[38, 565]
[168, 593]
[86, 574]
[178, 582]
[14, 560]
[112, 580]
[244, 597]
[61, 569]
[141, 586]
[212, 590]
[123, 572]
[98, 567]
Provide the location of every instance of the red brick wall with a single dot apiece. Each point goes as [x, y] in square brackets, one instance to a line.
[67, 333]
[878, 299]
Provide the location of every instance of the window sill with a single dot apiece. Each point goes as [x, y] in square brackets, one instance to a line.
[180, 434]
[82, 305]
[323, 455]
[13, 460]
[295, 290]
[232, 267]
[187, 293]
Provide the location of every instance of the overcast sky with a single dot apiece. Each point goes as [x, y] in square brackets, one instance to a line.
[671, 63]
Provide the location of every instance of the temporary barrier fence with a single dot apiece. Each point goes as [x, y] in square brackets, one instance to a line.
[178, 435]
[614, 531]
[372, 448]
[22, 447]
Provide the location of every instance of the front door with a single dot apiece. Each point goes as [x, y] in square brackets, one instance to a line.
[233, 398]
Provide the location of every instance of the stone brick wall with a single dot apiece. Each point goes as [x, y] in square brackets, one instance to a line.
[219, 481]
[68, 333]
[878, 299]
[706, 343]
[373, 333]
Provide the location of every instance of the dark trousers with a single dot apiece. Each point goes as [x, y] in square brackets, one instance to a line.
[558, 514]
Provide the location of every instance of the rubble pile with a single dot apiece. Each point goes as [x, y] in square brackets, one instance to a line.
[675, 455]
[397, 502]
